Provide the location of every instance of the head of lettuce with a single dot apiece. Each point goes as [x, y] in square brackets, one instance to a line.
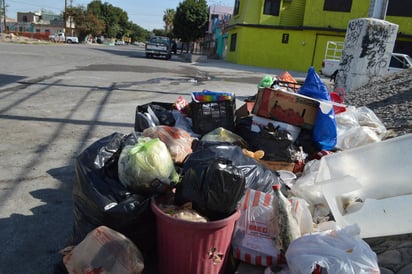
[146, 165]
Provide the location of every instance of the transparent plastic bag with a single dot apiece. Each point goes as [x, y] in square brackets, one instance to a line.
[338, 251]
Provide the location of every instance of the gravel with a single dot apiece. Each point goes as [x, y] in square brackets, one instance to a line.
[390, 98]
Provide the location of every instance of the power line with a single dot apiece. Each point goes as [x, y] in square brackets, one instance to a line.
[35, 5]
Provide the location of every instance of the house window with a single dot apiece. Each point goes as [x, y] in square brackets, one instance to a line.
[25, 18]
[399, 8]
[233, 38]
[338, 5]
[37, 30]
[237, 7]
[47, 30]
[271, 7]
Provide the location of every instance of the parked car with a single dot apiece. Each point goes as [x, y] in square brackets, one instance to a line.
[100, 39]
[399, 62]
[159, 46]
[60, 37]
[120, 42]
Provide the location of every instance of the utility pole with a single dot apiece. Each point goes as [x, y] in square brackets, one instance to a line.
[3, 13]
[65, 16]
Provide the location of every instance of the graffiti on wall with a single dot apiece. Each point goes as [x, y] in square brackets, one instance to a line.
[366, 51]
[353, 32]
[374, 47]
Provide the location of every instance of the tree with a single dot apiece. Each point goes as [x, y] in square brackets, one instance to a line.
[190, 21]
[115, 19]
[168, 18]
[86, 23]
[159, 32]
[105, 19]
[138, 33]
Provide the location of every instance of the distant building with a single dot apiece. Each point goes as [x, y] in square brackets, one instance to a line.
[216, 39]
[40, 24]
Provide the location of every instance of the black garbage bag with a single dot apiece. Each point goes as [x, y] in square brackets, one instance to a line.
[277, 143]
[152, 114]
[215, 178]
[100, 199]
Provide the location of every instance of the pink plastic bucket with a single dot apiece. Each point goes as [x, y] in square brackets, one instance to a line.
[192, 248]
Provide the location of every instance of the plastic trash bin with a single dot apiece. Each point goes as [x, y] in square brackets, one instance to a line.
[186, 247]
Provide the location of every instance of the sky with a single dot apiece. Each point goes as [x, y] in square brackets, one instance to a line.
[146, 13]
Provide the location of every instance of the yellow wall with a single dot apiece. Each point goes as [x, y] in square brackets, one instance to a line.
[260, 45]
[249, 12]
[264, 48]
[315, 16]
[405, 23]
[292, 13]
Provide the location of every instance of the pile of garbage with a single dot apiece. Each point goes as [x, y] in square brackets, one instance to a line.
[289, 179]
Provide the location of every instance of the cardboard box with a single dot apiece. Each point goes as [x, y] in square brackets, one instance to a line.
[288, 107]
[258, 121]
[278, 165]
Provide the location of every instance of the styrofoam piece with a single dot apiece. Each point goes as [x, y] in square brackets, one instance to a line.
[380, 175]
[375, 217]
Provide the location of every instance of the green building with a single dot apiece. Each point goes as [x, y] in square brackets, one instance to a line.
[292, 34]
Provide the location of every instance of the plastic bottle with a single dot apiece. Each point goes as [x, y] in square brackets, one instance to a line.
[287, 226]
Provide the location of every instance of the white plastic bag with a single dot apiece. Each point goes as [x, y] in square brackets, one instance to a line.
[338, 251]
[357, 127]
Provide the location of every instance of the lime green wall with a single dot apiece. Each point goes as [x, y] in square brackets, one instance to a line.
[249, 12]
[264, 48]
[405, 23]
[315, 16]
[292, 13]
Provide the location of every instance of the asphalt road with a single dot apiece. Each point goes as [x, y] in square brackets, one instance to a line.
[58, 99]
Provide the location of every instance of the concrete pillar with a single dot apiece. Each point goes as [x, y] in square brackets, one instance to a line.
[367, 52]
[377, 9]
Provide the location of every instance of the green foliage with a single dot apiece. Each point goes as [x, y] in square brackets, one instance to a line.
[190, 21]
[159, 32]
[86, 23]
[110, 21]
[168, 18]
[116, 22]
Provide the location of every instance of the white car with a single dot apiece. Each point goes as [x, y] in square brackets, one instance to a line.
[120, 42]
[399, 62]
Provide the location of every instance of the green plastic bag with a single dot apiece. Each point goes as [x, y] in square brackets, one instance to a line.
[146, 163]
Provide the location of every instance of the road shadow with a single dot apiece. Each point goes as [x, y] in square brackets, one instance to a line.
[6, 79]
[31, 243]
